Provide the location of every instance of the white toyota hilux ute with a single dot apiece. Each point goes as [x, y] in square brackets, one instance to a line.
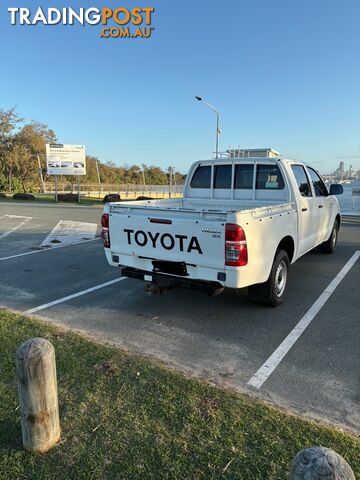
[240, 223]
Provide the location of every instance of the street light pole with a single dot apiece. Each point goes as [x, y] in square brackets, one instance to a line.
[170, 171]
[200, 99]
[143, 172]
[98, 176]
[217, 135]
[40, 174]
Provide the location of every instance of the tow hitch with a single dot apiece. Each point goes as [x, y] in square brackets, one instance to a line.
[155, 288]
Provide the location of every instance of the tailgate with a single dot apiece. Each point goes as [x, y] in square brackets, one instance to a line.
[176, 236]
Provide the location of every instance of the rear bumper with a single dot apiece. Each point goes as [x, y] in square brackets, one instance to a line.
[228, 277]
[165, 282]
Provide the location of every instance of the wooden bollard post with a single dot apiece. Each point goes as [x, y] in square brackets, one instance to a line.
[316, 463]
[36, 379]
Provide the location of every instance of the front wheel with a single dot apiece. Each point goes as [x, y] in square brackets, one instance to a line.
[272, 291]
[330, 245]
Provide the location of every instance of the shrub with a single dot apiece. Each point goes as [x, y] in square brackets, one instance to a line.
[67, 197]
[111, 197]
[23, 196]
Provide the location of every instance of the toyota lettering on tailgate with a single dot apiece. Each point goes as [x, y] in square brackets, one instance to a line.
[166, 240]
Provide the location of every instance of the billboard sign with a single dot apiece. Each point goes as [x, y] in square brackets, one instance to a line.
[62, 159]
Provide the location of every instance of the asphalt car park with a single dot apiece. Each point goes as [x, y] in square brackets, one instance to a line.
[226, 339]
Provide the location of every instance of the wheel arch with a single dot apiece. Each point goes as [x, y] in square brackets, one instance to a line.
[338, 218]
[287, 244]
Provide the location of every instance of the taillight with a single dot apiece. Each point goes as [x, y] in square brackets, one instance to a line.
[105, 235]
[235, 246]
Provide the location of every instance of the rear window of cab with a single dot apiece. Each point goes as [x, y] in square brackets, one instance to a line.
[201, 177]
[268, 177]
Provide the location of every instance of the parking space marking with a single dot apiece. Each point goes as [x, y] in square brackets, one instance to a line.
[14, 216]
[47, 249]
[74, 295]
[277, 356]
[19, 225]
[69, 231]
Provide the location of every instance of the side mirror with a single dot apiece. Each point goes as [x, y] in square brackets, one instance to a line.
[336, 189]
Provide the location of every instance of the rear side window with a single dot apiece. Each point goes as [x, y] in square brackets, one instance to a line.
[244, 175]
[222, 176]
[318, 184]
[302, 180]
[201, 177]
[268, 177]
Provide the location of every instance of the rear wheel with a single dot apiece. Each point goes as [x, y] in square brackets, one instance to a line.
[272, 291]
[330, 245]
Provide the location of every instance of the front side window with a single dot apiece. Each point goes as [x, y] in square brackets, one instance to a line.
[244, 175]
[302, 180]
[201, 177]
[269, 177]
[222, 176]
[318, 184]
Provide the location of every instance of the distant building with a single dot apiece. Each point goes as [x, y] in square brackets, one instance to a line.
[251, 152]
[340, 171]
[342, 174]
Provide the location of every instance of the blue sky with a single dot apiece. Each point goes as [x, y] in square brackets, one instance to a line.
[282, 73]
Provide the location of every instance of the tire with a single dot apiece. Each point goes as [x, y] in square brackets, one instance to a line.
[272, 291]
[330, 245]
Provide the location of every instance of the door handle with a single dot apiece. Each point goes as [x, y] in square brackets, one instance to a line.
[320, 206]
[304, 209]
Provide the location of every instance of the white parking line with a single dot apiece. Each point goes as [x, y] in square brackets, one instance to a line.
[14, 216]
[74, 295]
[69, 231]
[273, 361]
[48, 249]
[26, 219]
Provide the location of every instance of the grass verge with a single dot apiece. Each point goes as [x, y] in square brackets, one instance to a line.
[125, 417]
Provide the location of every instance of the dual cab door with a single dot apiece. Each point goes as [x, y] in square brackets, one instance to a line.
[315, 214]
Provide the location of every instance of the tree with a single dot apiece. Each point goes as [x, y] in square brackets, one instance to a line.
[155, 176]
[91, 171]
[21, 163]
[9, 120]
[34, 136]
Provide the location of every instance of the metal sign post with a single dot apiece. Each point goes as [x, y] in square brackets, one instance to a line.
[56, 189]
[78, 179]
